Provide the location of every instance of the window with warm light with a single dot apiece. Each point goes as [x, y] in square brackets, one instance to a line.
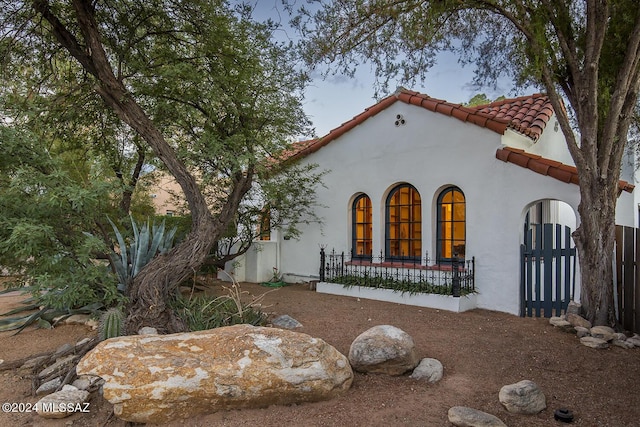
[362, 227]
[403, 224]
[264, 227]
[451, 224]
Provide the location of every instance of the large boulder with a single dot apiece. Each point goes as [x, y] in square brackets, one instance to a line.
[383, 349]
[157, 378]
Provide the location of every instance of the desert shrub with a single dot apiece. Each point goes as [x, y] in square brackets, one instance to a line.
[201, 312]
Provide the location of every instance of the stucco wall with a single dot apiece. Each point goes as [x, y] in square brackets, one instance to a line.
[431, 152]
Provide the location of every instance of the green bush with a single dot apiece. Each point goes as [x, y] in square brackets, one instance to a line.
[202, 312]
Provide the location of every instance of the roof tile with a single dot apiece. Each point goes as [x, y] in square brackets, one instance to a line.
[560, 171]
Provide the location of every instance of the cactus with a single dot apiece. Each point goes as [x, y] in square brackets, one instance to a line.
[147, 242]
[111, 323]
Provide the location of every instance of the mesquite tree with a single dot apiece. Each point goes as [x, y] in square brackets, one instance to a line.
[199, 82]
[586, 52]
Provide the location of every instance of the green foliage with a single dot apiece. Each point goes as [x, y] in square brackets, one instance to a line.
[48, 224]
[481, 99]
[147, 242]
[396, 285]
[35, 311]
[203, 312]
[111, 323]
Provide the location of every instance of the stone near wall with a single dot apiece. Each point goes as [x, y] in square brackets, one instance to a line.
[428, 369]
[562, 324]
[635, 340]
[523, 397]
[383, 349]
[158, 378]
[462, 416]
[62, 403]
[147, 330]
[594, 342]
[604, 332]
[577, 320]
[582, 332]
[622, 343]
[574, 307]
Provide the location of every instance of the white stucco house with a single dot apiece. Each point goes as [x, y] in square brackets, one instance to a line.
[421, 180]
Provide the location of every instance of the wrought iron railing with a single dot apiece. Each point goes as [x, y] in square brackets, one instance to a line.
[454, 277]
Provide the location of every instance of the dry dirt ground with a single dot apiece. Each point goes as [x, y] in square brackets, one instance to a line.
[481, 351]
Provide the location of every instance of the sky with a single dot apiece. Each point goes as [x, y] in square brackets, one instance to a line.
[336, 99]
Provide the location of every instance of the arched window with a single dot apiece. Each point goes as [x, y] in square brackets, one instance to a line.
[451, 224]
[403, 223]
[362, 230]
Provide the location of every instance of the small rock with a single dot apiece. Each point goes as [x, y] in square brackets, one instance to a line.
[77, 319]
[55, 405]
[428, 369]
[49, 387]
[582, 332]
[604, 332]
[577, 320]
[287, 322]
[87, 382]
[523, 397]
[594, 342]
[461, 416]
[635, 340]
[147, 330]
[622, 344]
[574, 308]
[561, 323]
[93, 324]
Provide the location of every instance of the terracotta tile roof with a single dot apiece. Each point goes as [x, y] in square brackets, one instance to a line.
[544, 166]
[527, 115]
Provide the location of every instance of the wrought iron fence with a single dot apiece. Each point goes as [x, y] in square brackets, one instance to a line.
[413, 276]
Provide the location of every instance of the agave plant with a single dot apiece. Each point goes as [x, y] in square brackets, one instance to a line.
[148, 241]
[39, 314]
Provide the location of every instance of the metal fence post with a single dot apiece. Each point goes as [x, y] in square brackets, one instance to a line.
[322, 264]
[455, 283]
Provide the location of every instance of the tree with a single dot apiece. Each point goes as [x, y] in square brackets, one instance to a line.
[199, 82]
[585, 52]
[481, 99]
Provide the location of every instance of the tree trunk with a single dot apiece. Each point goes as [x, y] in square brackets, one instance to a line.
[595, 238]
[156, 284]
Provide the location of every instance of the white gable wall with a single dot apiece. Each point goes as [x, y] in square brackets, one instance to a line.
[431, 152]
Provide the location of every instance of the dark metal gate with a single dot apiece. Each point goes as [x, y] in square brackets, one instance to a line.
[547, 270]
